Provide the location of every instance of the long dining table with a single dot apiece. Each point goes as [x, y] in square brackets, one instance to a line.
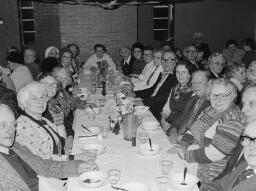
[120, 154]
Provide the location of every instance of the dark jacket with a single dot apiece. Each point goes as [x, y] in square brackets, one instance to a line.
[127, 68]
[156, 103]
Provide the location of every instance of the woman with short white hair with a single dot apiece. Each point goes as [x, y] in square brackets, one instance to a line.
[37, 133]
[216, 132]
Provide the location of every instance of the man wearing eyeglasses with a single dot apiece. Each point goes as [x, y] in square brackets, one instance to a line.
[243, 159]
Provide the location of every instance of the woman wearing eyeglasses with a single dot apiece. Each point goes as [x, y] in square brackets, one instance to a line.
[216, 132]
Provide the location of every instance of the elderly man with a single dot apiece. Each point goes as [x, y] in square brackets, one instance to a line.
[216, 64]
[243, 175]
[141, 85]
[190, 53]
[193, 108]
[148, 69]
[157, 95]
[19, 167]
[127, 60]
[200, 45]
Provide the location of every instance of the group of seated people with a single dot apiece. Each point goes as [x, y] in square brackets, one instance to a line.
[202, 100]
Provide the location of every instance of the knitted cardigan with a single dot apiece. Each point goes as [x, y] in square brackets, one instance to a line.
[229, 127]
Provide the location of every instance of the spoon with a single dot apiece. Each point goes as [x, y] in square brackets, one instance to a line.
[184, 176]
[150, 144]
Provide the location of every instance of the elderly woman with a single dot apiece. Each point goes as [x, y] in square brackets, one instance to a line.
[37, 133]
[216, 132]
[74, 48]
[216, 63]
[67, 102]
[100, 55]
[52, 52]
[34, 131]
[139, 63]
[19, 166]
[66, 57]
[180, 94]
[32, 62]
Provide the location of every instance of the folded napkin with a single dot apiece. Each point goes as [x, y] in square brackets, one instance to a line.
[74, 185]
[51, 184]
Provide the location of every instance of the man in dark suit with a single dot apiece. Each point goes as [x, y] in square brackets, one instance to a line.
[190, 53]
[199, 44]
[156, 96]
[217, 63]
[127, 60]
[193, 108]
[243, 176]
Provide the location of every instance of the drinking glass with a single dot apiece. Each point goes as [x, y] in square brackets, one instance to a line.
[93, 89]
[166, 166]
[105, 131]
[91, 116]
[114, 176]
[143, 137]
[163, 183]
[102, 102]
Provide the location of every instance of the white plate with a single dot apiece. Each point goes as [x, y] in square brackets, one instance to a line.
[98, 176]
[136, 186]
[138, 153]
[145, 149]
[99, 147]
[152, 131]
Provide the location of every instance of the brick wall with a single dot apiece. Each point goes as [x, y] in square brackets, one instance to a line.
[88, 25]
[9, 31]
[47, 27]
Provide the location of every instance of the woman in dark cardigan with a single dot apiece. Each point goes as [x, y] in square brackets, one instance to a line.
[179, 96]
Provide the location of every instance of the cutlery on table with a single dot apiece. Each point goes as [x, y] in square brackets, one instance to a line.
[117, 188]
[150, 144]
[184, 176]
[86, 128]
[91, 108]
[84, 136]
[89, 181]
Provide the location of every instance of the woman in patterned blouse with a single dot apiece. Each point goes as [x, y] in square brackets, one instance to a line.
[37, 133]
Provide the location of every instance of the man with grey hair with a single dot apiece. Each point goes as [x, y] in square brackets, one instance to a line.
[127, 60]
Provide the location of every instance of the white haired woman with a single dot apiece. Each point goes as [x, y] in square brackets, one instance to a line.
[216, 132]
[37, 133]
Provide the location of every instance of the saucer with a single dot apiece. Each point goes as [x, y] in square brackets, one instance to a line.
[138, 153]
[152, 131]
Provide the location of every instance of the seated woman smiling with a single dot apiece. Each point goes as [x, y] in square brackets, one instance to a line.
[37, 133]
[19, 167]
[216, 132]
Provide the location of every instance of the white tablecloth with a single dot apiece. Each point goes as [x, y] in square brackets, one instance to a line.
[121, 155]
